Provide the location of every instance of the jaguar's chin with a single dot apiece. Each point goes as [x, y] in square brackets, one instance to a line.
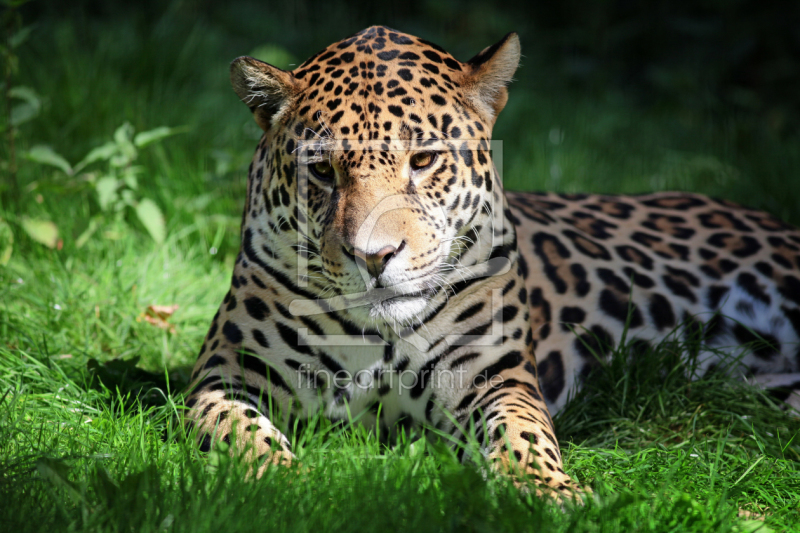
[399, 309]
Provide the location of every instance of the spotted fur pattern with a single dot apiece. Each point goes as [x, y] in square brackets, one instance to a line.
[385, 275]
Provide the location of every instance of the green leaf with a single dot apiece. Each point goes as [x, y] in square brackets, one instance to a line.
[124, 133]
[150, 215]
[106, 188]
[42, 231]
[146, 137]
[47, 156]
[104, 152]
[28, 109]
[22, 113]
[753, 526]
[129, 177]
[128, 197]
[6, 242]
[21, 92]
[20, 36]
[126, 151]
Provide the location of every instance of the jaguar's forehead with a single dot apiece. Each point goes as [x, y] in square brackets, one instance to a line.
[381, 49]
[379, 64]
[378, 85]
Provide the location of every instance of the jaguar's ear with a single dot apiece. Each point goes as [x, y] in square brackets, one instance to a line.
[490, 73]
[266, 90]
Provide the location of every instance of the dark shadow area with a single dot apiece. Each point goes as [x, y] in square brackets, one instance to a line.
[134, 385]
[729, 56]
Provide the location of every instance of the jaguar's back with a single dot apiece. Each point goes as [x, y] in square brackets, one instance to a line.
[656, 265]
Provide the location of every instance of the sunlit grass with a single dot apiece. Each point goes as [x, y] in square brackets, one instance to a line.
[662, 453]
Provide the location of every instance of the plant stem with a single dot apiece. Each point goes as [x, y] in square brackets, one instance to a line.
[12, 152]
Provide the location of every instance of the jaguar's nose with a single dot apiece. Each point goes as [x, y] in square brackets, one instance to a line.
[376, 262]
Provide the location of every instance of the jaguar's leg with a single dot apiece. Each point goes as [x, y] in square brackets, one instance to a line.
[520, 438]
[502, 403]
[220, 417]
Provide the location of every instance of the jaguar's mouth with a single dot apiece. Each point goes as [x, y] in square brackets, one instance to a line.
[401, 308]
[392, 296]
[400, 304]
[397, 291]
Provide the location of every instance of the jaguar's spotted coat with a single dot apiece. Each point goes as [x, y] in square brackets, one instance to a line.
[458, 285]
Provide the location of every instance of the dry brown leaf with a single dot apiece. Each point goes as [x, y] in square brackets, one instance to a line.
[158, 316]
[751, 515]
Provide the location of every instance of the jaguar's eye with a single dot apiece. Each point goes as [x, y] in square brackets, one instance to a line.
[422, 160]
[323, 171]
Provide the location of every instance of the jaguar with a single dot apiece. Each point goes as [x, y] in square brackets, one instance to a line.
[385, 276]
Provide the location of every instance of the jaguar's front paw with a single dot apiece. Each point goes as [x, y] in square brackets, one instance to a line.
[530, 472]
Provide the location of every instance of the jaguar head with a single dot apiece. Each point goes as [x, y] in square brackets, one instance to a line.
[375, 169]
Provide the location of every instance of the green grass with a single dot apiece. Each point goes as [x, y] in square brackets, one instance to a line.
[662, 453]
[91, 446]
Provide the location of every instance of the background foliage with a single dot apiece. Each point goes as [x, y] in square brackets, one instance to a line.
[612, 96]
